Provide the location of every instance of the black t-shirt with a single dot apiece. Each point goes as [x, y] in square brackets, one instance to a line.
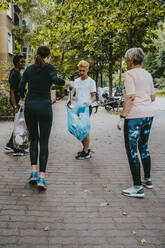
[39, 83]
[14, 80]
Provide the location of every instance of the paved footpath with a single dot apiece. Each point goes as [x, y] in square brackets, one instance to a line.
[83, 206]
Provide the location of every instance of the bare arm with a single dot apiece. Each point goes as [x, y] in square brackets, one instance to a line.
[152, 98]
[93, 96]
[13, 101]
[128, 103]
[72, 93]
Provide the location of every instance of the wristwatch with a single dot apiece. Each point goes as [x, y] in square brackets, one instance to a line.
[15, 107]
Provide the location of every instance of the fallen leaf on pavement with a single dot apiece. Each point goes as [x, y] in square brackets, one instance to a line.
[46, 228]
[104, 204]
[124, 213]
[143, 241]
[23, 195]
[133, 232]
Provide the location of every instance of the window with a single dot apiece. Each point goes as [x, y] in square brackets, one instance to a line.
[24, 52]
[16, 19]
[24, 23]
[9, 12]
[10, 43]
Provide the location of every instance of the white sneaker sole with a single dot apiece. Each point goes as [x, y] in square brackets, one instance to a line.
[147, 186]
[134, 195]
[18, 155]
[9, 151]
[82, 158]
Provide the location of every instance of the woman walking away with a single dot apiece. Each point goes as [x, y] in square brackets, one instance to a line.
[137, 117]
[38, 110]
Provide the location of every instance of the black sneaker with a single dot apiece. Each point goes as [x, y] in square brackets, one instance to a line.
[147, 183]
[83, 155]
[89, 150]
[9, 149]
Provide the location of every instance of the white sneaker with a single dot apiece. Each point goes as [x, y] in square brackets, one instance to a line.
[134, 191]
[147, 183]
[9, 149]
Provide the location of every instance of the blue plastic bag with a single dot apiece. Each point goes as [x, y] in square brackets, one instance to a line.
[78, 121]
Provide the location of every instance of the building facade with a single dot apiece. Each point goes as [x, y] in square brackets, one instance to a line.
[6, 34]
[8, 21]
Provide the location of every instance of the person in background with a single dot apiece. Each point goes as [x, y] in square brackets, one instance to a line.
[85, 89]
[38, 110]
[118, 91]
[14, 80]
[137, 117]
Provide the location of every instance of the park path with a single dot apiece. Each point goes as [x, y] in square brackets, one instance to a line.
[83, 206]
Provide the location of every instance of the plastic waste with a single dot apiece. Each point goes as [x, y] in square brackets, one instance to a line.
[78, 120]
[20, 132]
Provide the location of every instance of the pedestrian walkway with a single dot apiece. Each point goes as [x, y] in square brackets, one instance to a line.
[83, 206]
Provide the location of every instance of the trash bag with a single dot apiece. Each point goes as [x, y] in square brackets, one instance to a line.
[20, 132]
[78, 121]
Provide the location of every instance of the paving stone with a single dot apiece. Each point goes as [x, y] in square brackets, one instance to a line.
[70, 213]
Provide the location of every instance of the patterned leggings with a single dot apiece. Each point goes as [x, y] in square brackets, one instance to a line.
[136, 134]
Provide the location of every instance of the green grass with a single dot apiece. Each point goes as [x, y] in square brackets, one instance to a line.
[160, 93]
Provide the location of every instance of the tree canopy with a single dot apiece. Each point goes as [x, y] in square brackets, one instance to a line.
[98, 31]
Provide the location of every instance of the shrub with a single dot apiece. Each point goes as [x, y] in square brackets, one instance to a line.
[5, 107]
[60, 90]
[160, 93]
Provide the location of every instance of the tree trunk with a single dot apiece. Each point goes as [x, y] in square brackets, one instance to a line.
[101, 77]
[110, 79]
[110, 70]
[120, 72]
[97, 76]
[62, 59]
[130, 42]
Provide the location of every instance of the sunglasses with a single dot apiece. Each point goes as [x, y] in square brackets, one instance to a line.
[82, 70]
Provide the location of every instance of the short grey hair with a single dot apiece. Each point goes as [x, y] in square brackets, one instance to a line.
[135, 54]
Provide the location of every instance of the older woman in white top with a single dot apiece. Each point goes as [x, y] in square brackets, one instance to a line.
[137, 117]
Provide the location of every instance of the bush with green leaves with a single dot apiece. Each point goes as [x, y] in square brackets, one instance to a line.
[60, 91]
[160, 93]
[159, 82]
[5, 106]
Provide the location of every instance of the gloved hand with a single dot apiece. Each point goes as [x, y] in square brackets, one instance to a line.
[120, 124]
[88, 102]
[21, 103]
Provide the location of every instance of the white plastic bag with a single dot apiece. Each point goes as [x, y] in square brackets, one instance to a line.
[20, 132]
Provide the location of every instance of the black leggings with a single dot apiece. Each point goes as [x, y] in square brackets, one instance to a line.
[38, 116]
[136, 134]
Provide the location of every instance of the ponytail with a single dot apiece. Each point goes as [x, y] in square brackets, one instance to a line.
[42, 52]
[39, 63]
